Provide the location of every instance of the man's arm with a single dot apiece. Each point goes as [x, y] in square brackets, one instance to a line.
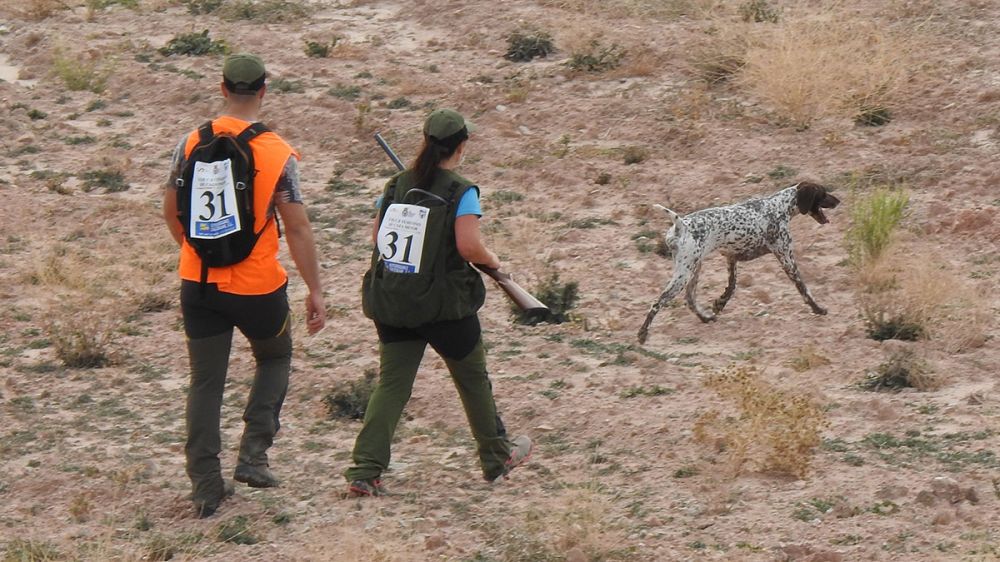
[170, 193]
[170, 213]
[302, 247]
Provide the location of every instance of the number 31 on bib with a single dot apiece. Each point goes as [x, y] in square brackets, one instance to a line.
[213, 200]
[401, 237]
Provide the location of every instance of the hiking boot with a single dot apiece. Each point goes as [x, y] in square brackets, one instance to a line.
[255, 476]
[369, 487]
[519, 453]
[207, 508]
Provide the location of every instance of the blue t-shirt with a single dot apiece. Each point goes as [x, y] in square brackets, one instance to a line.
[467, 205]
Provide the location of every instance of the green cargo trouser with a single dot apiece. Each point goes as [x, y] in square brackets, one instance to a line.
[209, 365]
[399, 363]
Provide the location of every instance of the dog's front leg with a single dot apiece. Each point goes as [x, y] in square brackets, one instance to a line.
[721, 302]
[783, 251]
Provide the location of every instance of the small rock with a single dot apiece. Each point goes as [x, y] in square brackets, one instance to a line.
[947, 489]
[943, 517]
[971, 495]
[926, 498]
[434, 542]
[890, 492]
[419, 439]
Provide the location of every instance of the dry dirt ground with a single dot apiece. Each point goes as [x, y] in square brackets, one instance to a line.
[91, 459]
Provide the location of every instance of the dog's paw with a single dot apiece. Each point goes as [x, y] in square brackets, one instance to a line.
[718, 305]
[707, 318]
[819, 310]
[643, 334]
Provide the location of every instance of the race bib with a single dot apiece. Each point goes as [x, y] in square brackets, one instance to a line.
[401, 237]
[213, 200]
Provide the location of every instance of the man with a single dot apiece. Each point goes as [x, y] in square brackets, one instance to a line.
[249, 295]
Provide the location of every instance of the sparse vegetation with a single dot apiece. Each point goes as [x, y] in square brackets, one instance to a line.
[902, 369]
[112, 181]
[194, 44]
[635, 155]
[559, 297]
[775, 431]
[201, 7]
[237, 530]
[759, 11]
[595, 57]
[267, 11]
[874, 218]
[315, 49]
[79, 73]
[83, 340]
[349, 399]
[527, 44]
[286, 86]
[345, 92]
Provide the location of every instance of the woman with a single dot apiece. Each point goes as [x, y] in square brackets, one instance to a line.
[420, 290]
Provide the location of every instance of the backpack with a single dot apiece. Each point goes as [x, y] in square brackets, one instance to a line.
[215, 197]
[445, 287]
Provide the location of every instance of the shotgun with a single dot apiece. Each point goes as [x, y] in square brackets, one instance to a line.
[523, 299]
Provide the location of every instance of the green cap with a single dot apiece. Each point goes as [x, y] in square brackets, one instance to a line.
[243, 73]
[443, 123]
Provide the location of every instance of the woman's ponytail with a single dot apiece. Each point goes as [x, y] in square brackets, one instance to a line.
[432, 153]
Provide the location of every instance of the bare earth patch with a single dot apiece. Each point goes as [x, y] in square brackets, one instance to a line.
[681, 103]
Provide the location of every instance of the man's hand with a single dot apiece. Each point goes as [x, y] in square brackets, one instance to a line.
[315, 313]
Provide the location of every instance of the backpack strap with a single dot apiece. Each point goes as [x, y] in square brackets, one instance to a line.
[205, 133]
[252, 131]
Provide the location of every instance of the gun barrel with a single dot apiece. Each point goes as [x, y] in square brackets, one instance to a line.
[392, 155]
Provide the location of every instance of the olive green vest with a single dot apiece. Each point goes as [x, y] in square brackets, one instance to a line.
[447, 287]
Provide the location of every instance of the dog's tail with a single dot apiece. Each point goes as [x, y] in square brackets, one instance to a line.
[673, 216]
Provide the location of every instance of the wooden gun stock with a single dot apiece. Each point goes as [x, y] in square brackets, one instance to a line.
[523, 299]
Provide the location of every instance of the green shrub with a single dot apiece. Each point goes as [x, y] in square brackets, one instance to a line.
[399, 103]
[79, 74]
[345, 92]
[635, 155]
[269, 11]
[349, 399]
[559, 297]
[285, 86]
[873, 220]
[112, 181]
[199, 7]
[759, 11]
[238, 531]
[315, 49]
[597, 58]
[194, 44]
[524, 45]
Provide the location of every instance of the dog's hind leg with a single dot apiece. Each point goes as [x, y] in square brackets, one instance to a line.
[721, 302]
[681, 277]
[783, 251]
[690, 296]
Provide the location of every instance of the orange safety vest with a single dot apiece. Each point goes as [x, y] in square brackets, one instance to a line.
[260, 273]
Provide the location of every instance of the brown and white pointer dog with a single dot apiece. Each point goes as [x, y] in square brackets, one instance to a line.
[740, 232]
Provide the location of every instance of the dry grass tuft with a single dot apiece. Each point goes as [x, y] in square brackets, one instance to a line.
[913, 297]
[632, 8]
[902, 369]
[808, 358]
[807, 69]
[772, 431]
[37, 10]
[83, 337]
